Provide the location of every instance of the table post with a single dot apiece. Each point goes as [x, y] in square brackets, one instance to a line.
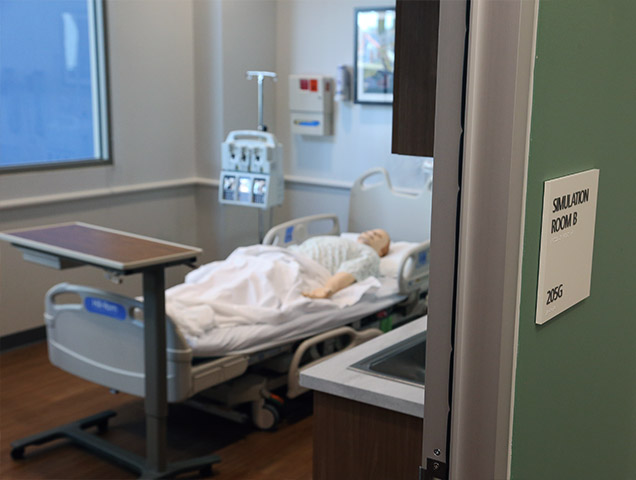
[155, 366]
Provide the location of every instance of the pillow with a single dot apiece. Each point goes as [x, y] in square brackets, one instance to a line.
[390, 263]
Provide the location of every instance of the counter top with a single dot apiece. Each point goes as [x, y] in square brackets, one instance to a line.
[334, 377]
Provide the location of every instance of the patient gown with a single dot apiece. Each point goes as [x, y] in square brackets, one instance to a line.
[338, 254]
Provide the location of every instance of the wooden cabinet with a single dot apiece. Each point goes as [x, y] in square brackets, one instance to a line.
[415, 76]
[356, 440]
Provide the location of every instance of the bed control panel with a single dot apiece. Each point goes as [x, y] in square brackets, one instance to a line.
[252, 171]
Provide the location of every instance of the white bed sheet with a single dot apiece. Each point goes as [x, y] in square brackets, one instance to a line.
[252, 300]
[251, 338]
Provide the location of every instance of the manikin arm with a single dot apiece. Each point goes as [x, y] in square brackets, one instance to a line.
[335, 283]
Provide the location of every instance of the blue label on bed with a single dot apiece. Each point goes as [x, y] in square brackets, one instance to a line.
[105, 307]
[421, 259]
[289, 234]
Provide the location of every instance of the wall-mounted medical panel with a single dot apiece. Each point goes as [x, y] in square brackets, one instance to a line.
[252, 170]
[311, 104]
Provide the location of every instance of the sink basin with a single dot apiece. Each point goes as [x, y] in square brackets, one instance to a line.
[402, 362]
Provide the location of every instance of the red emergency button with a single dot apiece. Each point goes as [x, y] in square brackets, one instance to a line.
[314, 84]
[304, 84]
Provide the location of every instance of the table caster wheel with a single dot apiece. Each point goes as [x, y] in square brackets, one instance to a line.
[206, 471]
[102, 427]
[17, 453]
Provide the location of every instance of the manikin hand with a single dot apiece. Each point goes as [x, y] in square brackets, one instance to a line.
[334, 284]
[320, 292]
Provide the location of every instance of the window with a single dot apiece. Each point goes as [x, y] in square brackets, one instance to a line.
[52, 84]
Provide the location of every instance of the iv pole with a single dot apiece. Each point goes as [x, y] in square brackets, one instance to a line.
[260, 76]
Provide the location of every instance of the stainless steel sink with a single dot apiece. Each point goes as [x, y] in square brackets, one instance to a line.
[402, 362]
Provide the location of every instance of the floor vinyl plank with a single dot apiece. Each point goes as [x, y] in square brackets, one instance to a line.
[36, 396]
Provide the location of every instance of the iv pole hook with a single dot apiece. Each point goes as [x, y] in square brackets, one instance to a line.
[259, 77]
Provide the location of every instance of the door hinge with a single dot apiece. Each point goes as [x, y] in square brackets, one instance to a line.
[435, 470]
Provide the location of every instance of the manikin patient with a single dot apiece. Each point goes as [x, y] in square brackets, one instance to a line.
[346, 260]
[260, 285]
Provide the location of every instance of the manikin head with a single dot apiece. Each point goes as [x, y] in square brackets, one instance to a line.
[377, 239]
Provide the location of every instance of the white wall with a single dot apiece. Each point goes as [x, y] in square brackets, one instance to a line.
[230, 38]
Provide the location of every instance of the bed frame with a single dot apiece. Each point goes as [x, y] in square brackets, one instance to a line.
[85, 344]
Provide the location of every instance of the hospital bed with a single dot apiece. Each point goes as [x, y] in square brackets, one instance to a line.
[241, 366]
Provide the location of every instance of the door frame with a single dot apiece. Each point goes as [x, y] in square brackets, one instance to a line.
[484, 98]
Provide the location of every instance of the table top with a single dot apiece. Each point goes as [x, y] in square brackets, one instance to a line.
[99, 246]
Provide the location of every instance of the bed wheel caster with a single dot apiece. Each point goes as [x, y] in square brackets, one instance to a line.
[265, 415]
[17, 453]
[273, 417]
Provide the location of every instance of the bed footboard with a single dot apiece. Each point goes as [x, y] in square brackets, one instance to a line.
[297, 231]
[99, 336]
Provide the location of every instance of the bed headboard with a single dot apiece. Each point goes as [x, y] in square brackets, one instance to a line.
[375, 204]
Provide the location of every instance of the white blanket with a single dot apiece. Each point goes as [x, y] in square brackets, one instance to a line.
[256, 285]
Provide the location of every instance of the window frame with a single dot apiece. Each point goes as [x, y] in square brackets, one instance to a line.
[101, 96]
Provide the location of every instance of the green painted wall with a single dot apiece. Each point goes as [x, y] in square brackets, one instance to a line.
[575, 397]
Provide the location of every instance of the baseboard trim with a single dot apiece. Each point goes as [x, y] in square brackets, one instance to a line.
[20, 339]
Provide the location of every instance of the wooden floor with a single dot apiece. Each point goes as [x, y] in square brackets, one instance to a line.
[35, 396]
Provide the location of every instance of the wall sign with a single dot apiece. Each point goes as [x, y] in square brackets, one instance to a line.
[567, 243]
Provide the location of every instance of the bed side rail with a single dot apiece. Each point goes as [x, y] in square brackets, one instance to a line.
[298, 230]
[356, 338]
[414, 269]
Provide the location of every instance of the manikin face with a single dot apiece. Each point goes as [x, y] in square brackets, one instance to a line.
[377, 239]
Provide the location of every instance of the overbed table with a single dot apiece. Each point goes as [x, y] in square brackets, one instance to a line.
[119, 253]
